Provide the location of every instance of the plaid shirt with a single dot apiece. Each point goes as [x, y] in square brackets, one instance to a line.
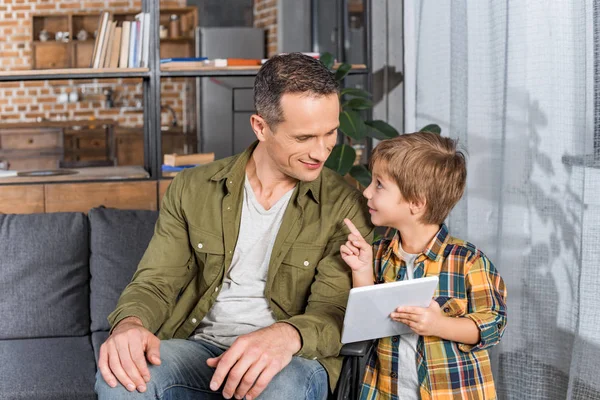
[469, 287]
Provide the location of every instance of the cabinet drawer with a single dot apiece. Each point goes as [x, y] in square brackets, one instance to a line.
[29, 141]
[51, 55]
[91, 143]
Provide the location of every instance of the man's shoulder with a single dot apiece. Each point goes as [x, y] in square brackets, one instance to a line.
[336, 186]
[203, 173]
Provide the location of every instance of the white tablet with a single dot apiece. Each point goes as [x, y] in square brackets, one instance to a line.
[369, 308]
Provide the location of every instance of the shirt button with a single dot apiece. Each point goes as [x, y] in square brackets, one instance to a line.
[446, 309]
[394, 375]
[230, 182]
[230, 251]
[394, 339]
[200, 245]
[314, 358]
[217, 289]
[228, 208]
[306, 263]
[194, 320]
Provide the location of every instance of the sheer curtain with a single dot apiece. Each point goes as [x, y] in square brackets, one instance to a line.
[514, 82]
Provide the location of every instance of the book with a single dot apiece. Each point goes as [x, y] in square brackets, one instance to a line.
[238, 62]
[182, 59]
[124, 53]
[177, 160]
[107, 42]
[100, 19]
[145, 39]
[132, 43]
[100, 39]
[115, 49]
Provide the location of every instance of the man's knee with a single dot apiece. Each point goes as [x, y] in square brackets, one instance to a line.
[301, 379]
[105, 392]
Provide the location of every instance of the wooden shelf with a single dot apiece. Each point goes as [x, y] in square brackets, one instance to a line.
[84, 175]
[73, 73]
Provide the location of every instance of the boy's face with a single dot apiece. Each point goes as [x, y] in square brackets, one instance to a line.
[386, 204]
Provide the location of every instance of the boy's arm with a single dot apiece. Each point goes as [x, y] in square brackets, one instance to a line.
[487, 303]
[459, 330]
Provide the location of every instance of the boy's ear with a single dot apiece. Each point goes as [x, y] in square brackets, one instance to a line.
[418, 207]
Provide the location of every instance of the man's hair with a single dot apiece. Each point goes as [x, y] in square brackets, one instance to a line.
[425, 166]
[289, 73]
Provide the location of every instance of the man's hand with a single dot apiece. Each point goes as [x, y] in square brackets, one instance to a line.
[253, 360]
[423, 321]
[358, 254]
[123, 355]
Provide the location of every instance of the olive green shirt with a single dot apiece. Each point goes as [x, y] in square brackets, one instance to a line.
[182, 270]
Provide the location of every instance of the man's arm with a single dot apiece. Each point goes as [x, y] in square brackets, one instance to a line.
[145, 302]
[163, 271]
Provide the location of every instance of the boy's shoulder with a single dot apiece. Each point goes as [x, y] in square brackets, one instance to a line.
[463, 251]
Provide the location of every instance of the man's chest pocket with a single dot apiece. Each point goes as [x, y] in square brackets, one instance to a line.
[209, 252]
[295, 276]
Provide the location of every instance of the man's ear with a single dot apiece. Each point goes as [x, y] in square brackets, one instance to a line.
[259, 126]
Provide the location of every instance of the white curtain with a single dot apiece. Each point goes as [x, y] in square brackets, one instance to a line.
[514, 82]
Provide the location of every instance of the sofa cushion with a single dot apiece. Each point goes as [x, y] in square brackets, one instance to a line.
[44, 275]
[52, 368]
[118, 241]
[97, 339]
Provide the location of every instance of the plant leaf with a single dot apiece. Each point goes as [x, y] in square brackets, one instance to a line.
[433, 128]
[342, 71]
[355, 93]
[361, 174]
[359, 104]
[327, 59]
[352, 125]
[381, 130]
[341, 159]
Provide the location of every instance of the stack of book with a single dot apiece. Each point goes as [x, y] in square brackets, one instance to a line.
[173, 163]
[123, 44]
[168, 64]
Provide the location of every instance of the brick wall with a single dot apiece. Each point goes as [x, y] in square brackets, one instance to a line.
[265, 16]
[31, 101]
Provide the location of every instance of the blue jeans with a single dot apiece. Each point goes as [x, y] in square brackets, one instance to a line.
[183, 374]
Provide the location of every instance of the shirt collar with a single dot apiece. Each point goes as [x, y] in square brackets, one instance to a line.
[236, 170]
[434, 251]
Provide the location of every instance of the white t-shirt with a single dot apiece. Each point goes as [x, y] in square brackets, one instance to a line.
[241, 306]
[408, 379]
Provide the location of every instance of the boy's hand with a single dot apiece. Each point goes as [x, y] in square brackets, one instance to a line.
[423, 321]
[357, 253]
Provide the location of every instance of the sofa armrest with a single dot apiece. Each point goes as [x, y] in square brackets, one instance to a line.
[357, 349]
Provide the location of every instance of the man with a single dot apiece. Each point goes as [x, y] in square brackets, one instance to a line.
[242, 290]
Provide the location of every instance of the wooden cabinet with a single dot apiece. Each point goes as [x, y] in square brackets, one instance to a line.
[31, 148]
[75, 53]
[78, 197]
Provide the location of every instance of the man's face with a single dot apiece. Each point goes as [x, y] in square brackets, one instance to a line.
[300, 145]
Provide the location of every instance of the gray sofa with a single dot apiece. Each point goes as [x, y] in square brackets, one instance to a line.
[61, 274]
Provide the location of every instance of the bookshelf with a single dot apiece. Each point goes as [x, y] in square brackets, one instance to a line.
[69, 55]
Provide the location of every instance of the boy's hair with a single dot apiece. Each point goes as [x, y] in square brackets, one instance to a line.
[425, 166]
[289, 73]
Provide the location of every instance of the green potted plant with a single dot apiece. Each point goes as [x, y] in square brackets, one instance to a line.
[355, 128]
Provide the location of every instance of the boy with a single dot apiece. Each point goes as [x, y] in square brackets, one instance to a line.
[417, 180]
